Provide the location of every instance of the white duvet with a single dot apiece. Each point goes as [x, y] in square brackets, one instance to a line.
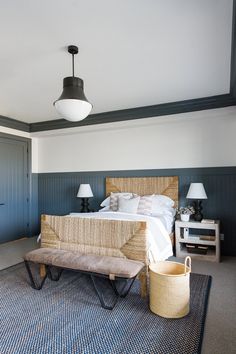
[159, 243]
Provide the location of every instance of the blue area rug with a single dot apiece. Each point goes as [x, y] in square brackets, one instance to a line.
[65, 317]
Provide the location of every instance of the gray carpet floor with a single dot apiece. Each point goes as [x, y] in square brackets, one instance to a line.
[220, 328]
[11, 253]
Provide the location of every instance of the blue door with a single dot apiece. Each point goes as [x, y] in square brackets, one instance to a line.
[14, 188]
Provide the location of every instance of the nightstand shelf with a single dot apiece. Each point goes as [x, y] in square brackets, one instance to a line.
[197, 240]
[211, 242]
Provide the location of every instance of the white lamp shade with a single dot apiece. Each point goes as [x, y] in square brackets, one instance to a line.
[73, 110]
[85, 191]
[196, 191]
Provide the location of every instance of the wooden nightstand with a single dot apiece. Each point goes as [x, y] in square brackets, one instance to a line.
[200, 245]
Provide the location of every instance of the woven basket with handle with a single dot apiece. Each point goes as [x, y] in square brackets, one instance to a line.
[169, 288]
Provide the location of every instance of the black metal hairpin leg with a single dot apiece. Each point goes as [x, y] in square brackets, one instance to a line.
[32, 281]
[101, 296]
[122, 293]
[113, 285]
[58, 275]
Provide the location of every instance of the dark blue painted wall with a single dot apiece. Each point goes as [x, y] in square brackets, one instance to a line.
[34, 212]
[57, 193]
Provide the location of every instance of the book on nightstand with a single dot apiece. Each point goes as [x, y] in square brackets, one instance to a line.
[208, 221]
[207, 238]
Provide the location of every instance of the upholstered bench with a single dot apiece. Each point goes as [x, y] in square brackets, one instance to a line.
[112, 268]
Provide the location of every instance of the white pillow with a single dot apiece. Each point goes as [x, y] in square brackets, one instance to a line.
[128, 205]
[160, 203]
[114, 199]
[106, 202]
[166, 211]
[163, 199]
[171, 212]
[106, 208]
[145, 205]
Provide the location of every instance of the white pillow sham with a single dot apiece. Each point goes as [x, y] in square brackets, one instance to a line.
[160, 203]
[105, 202]
[114, 199]
[128, 205]
[163, 200]
[167, 211]
[106, 208]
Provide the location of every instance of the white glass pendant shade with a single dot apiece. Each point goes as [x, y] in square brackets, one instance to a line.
[73, 110]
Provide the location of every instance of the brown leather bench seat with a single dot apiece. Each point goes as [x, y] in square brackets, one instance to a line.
[95, 265]
[110, 266]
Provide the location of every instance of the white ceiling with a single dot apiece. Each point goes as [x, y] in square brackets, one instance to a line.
[132, 52]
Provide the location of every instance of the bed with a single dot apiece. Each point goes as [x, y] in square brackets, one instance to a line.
[168, 186]
[113, 234]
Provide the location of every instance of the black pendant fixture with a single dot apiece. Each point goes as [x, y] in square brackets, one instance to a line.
[73, 104]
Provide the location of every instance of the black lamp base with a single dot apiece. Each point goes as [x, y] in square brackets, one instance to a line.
[198, 210]
[85, 205]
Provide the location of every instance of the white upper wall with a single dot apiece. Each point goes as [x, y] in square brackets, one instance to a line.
[197, 139]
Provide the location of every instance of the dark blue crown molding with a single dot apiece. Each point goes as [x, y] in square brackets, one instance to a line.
[185, 106]
[14, 124]
[140, 112]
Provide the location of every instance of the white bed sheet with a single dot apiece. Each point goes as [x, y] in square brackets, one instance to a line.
[167, 220]
[159, 243]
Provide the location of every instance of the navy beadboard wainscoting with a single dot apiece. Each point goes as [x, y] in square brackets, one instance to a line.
[57, 193]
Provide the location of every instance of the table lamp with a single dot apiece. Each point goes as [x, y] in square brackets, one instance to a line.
[85, 192]
[197, 191]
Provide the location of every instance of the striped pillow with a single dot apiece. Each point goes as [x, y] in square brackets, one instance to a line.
[114, 199]
[145, 205]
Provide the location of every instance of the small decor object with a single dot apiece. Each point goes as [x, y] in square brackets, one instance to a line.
[170, 288]
[72, 104]
[85, 192]
[208, 221]
[185, 213]
[197, 191]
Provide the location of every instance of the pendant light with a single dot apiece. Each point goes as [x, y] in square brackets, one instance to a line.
[72, 104]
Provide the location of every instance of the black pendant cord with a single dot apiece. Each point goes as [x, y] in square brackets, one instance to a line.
[73, 49]
[73, 65]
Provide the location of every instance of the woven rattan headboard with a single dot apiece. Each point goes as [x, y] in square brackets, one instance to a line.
[168, 186]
